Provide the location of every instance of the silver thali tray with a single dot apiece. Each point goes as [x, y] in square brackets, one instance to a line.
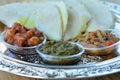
[31, 66]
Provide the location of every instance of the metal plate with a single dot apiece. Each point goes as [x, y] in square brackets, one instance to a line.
[9, 63]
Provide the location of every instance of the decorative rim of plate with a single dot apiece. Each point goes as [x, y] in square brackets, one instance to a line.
[103, 68]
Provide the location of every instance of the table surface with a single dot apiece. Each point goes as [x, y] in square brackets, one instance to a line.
[8, 76]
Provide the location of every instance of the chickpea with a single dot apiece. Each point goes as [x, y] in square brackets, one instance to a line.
[25, 36]
[17, 35]
[33, 29]
[23, 30]
[38, 33]
[10, 40]
[33, 41]
[21, 36]
[16, 26]
[20, 41]
[10, 33]
[29, 34]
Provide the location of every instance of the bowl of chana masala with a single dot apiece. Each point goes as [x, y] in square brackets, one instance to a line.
[22, 40]
[100, 42]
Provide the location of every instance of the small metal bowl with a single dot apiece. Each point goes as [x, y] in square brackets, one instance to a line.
[20, 50]
[105, 50]
[60, 60]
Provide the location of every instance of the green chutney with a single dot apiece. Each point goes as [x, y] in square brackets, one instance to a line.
[60, 48]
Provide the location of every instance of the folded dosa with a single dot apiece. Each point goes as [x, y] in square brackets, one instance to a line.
[61, 7]
[46, 17]
[101, 16]
[78, 17]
